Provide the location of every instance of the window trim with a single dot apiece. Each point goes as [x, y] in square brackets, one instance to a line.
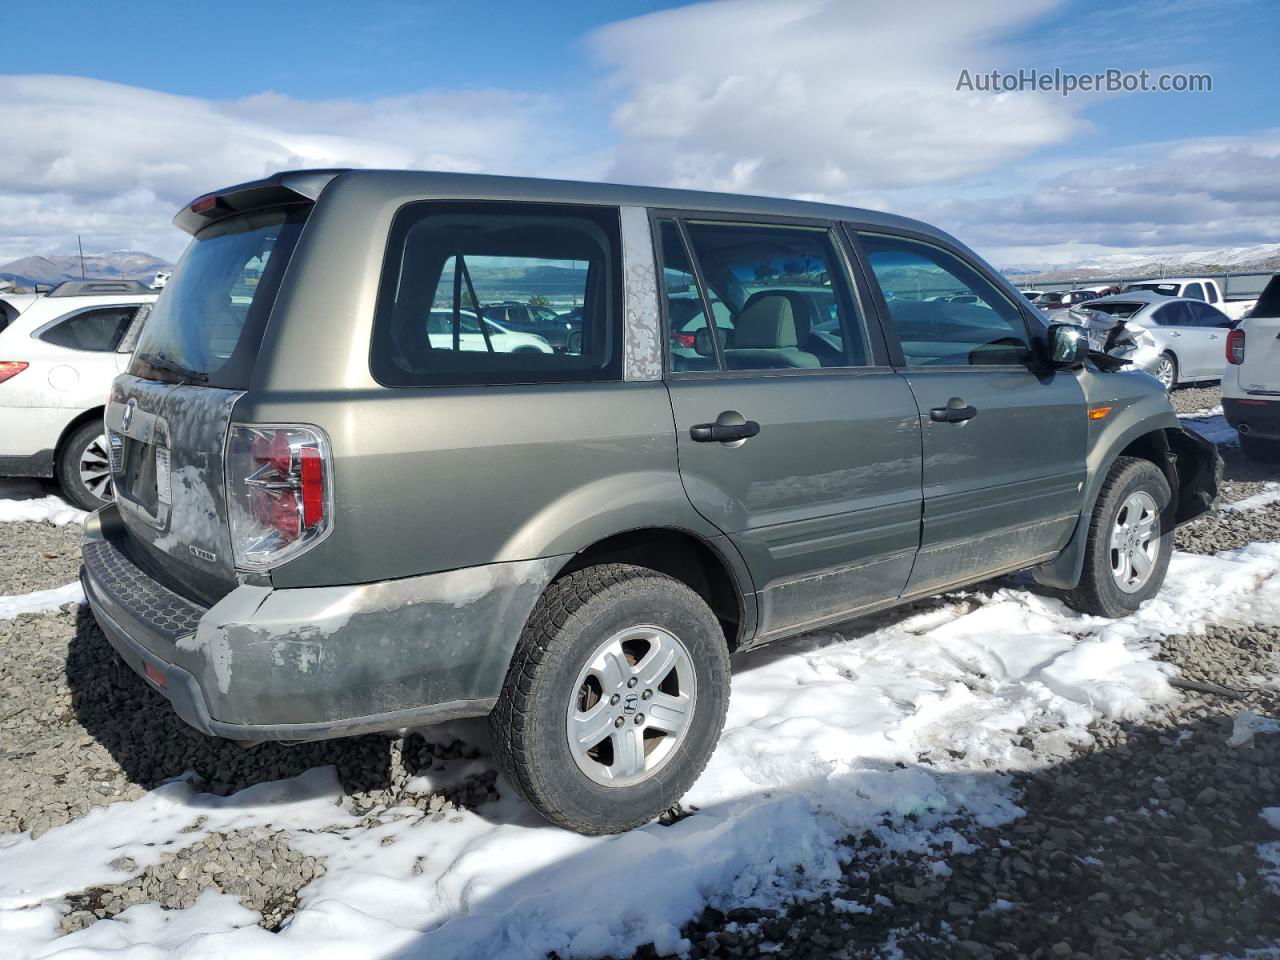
[1035, 364]
[614, 372]
[39, 332]
[876, 360]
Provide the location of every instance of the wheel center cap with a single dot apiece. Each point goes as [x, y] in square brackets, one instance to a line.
[630, 704]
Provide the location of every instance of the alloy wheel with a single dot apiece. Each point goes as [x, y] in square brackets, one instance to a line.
[94, 467]
[1135, 541]
[1164, 372]
[631, 706]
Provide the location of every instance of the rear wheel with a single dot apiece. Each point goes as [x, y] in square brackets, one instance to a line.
[614, 700]
[1260, 449]
[1130, 540]
[84, 467]
[1167, 370]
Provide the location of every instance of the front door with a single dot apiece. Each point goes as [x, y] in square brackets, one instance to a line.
[792, 438]
[1004, 442]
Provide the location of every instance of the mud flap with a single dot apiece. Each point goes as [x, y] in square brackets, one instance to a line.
[1198, 467]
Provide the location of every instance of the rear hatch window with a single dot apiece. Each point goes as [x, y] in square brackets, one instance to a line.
[207, 325]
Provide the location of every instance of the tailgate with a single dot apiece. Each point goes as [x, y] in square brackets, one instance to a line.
[167, 442]
[1260, 372]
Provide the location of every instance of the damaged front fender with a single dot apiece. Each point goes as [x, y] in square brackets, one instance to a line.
[1198, 474]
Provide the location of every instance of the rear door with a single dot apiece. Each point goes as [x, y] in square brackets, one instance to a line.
[168, 416]
[1190, 340]
[1004, 440]
[794, 435]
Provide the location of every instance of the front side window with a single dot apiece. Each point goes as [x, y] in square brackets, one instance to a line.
[945, 312]
[1194, 292]
[97, 330]
[777, 296]
[480, 293]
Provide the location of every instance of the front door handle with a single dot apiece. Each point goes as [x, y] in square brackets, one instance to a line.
[956, 411]
[723, 432]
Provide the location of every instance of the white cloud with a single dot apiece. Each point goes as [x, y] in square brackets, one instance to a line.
[1170, 197]
[821, 98]
[114, 162]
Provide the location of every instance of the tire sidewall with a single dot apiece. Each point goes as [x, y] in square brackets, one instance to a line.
[662, 603]
[69, 466]
[1140, 476]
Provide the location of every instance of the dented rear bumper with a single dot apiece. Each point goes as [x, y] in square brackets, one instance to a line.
[319, 662]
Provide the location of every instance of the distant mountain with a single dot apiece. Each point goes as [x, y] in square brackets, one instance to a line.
[121, 265]
[1258, 258]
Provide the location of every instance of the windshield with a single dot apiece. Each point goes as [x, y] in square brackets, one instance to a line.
[207, 324]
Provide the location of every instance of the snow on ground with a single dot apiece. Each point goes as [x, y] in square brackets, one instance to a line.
[40, 600]
[896, 724]
[1264, 498]
[49, 509]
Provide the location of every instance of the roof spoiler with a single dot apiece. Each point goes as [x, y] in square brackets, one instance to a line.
[279, 189]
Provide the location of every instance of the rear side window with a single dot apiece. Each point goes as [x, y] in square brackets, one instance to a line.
[98, 330]
[489, 293]
[777, 297]
[1174, 315]
[944, 311]
[1211, 292]
[211, 314]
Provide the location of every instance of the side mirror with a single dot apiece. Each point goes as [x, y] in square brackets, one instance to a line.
[1068, 344]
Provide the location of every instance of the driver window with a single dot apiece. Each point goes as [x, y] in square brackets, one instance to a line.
[945, 312]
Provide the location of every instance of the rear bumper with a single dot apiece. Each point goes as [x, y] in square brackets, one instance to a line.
[314, 663]
[1257, 417]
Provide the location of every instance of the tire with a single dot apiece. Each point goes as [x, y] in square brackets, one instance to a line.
[553, 687]
[1099, 592]
[1167, 371]
[1262, 450]
[84, 470]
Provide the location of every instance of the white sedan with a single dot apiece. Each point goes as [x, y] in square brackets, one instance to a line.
[470, 337]
[58, 356]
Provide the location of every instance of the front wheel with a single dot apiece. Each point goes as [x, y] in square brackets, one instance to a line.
[614, 699]
[1130, 541]
[84, 467]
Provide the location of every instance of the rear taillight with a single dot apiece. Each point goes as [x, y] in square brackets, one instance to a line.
[1235, 347]
[684, 339]
[11, 368]
[279, 492]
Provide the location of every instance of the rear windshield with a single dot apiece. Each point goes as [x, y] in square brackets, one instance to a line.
[544, 277]
[207, 324]
[1121, 310]
[1164, 289]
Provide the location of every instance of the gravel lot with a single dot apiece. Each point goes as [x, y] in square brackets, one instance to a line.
[1142, 846]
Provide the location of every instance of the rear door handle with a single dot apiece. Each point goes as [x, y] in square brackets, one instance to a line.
[723, 432]
[956, 411]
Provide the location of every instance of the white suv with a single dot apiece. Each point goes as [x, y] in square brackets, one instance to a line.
[1251, 383]
[58, 356]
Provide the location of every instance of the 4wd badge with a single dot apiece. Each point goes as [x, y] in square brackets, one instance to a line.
[204, 555]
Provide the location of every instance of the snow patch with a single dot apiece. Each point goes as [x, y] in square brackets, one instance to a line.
[1263, 498]
[40, 601]
[48, 509]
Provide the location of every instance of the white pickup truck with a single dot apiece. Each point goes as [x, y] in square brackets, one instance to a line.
[1197, 288]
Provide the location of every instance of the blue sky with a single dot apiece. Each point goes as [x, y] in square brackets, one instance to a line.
[840, 99]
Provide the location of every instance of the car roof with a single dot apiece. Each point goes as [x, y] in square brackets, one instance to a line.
[310, 184]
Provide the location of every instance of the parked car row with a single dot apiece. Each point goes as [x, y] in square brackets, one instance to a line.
[341, 508]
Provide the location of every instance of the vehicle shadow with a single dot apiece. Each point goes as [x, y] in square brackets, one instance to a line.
[1141, 847]
[152, 745]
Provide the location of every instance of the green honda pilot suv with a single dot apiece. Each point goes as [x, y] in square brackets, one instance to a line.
[334, 518]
